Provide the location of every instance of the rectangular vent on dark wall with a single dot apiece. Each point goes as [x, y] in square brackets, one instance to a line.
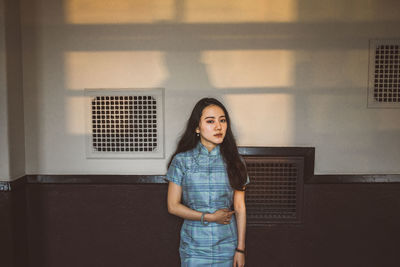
[275, 192]
[384, 74]
[125, 123]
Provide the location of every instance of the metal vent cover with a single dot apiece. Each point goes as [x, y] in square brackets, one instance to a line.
[275, 192]
[125, 123]
[384, 74]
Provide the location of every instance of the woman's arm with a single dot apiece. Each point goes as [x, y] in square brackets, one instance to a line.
[175, 207]
[240, 212]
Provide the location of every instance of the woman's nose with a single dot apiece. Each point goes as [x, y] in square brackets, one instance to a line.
[218, 125]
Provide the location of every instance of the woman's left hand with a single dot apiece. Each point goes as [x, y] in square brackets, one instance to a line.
[238, 259]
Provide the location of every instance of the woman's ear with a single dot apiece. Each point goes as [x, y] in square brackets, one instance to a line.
[197, 130]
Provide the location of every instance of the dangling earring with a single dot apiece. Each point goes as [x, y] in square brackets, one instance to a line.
[197, 134]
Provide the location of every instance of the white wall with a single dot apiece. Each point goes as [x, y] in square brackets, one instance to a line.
[4, 157]
[16, 132]
[291, 72]
[12, 144]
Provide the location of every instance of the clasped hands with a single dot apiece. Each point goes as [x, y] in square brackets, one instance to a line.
[221, 216]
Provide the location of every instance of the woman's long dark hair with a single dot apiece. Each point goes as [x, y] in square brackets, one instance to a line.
[235, 166]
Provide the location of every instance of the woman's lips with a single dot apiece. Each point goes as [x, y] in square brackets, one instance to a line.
[218, 135]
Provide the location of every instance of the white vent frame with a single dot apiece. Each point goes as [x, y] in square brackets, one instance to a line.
[372, 102]
[157, 93]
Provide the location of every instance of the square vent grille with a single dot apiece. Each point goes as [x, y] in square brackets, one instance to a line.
[384, 74]
[275, 192]
[125, 123]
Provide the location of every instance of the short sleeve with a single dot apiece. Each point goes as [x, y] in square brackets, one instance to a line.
[175, 172]
[247, 181]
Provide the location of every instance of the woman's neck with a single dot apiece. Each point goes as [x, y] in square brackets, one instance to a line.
[208, 145]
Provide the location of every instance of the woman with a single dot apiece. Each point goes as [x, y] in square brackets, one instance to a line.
[207, 177]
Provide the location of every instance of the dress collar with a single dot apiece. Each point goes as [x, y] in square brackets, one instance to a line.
[204, 151]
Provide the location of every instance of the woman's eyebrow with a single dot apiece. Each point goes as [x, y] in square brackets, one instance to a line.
[212, 117]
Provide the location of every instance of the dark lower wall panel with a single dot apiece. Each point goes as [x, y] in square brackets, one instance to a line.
[13, 234]
[128, 225]
[344, 225]
[6, 230]
[101, 225]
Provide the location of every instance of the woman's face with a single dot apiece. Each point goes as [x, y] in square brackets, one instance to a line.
[212, 126]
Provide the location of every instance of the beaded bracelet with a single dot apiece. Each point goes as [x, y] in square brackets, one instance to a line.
[203, 222]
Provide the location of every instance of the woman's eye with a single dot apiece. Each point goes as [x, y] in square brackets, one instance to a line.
[210, 121]
[223, 120]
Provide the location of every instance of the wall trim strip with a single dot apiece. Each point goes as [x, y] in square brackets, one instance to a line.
[160, 179]
[354, 178]
[96, 179]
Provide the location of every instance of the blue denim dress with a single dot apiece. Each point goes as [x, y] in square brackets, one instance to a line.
[205, 188]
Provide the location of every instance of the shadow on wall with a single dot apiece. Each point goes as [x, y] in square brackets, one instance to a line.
[279, 61]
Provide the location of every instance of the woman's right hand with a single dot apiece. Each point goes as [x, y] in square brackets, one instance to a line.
[223, 216]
